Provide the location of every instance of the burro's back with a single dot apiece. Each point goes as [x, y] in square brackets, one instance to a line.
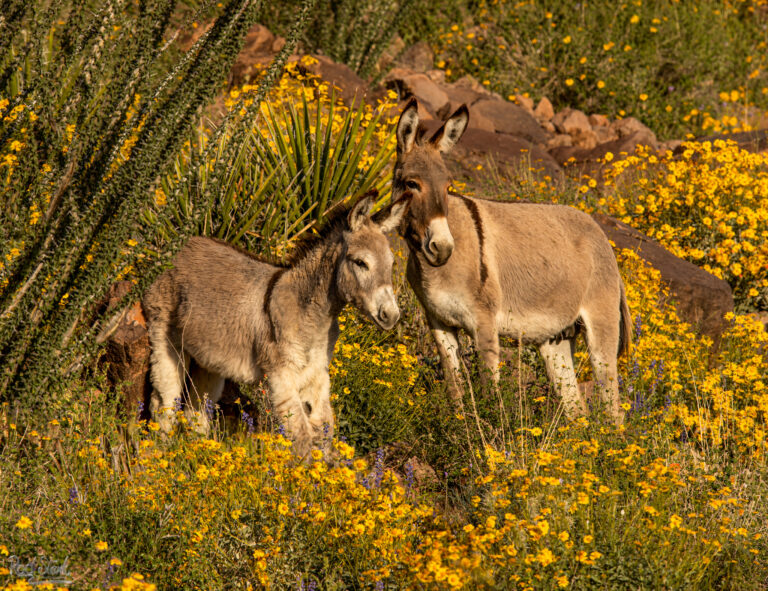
[210, 304]
[243, 318]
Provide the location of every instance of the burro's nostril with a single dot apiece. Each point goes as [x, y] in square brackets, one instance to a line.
[388, 316]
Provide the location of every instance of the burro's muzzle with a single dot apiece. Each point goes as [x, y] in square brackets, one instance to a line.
[383, 308]
[438, 242]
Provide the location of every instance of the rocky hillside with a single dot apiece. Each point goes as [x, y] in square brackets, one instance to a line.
[513, 133]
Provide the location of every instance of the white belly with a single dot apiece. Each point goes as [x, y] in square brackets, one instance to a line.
[530, 327]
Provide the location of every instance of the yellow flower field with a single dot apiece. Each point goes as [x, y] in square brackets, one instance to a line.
[420, 493]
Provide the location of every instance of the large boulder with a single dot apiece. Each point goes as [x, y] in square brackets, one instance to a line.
[348, 85]
[408, 84]
[509, 152]
[508, 118]
[701, 299]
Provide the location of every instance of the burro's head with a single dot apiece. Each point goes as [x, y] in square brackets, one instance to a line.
[421, 172]
[364, 275]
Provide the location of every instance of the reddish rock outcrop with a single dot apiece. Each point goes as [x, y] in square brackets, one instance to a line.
[701, 299]
[126, 354]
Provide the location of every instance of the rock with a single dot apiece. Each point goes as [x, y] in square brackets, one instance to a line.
[572, 121]
[629, 126]
[395, 111]
[669, 145]
[389, 55]
[437, 76]
[189, 37]
[604, 134]
[470, 82]
[349, 86]
[580, 161]
[752, 141]
[525, 102]
[127, 351]
[560, 140]
[418, 57]
[422, 473]
[507, 151]
[511, 119]
[544, 110]
[476, 119]
[461, 95]
[596, 120]
[481, 122]
[259, 47]
[420, 86]
[548, 126]
[701, 299]
[586, 138]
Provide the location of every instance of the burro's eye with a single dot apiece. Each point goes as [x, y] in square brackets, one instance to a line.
[359, 263]
[412, 185]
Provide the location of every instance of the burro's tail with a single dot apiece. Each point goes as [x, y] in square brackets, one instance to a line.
[625, 323]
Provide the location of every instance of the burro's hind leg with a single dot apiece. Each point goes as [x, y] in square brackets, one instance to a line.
[602, 331]
[167, 374]
[558, 358]
[447, 341]
[205, 390]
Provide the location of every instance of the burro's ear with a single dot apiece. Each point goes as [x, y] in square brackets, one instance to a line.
[451, 131]
[359, 213]
[390, 217]
[407, 127]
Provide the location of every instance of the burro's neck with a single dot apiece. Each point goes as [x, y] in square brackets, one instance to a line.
[313, 282]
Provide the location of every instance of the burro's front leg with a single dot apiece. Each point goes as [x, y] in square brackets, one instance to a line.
[316, 396]
[447, 341]
[285, 386]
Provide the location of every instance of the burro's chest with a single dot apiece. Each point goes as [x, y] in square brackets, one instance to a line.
[445, 292]
[307, 345]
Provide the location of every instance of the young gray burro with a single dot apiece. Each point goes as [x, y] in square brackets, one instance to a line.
[535, 273]
[242, 318]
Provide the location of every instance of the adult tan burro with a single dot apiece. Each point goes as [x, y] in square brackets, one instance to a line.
[241, 317]
[532, 272]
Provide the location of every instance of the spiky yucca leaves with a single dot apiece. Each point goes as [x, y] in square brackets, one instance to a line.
[320, 155]
[300, 158]
[85, 130]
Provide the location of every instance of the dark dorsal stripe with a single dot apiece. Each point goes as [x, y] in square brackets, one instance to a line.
[475, 213]
[268, 297]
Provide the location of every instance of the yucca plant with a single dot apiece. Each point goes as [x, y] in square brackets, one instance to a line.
[283, 173]
[318, 155]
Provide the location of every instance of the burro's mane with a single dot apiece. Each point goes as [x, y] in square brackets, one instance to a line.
[334, 223]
